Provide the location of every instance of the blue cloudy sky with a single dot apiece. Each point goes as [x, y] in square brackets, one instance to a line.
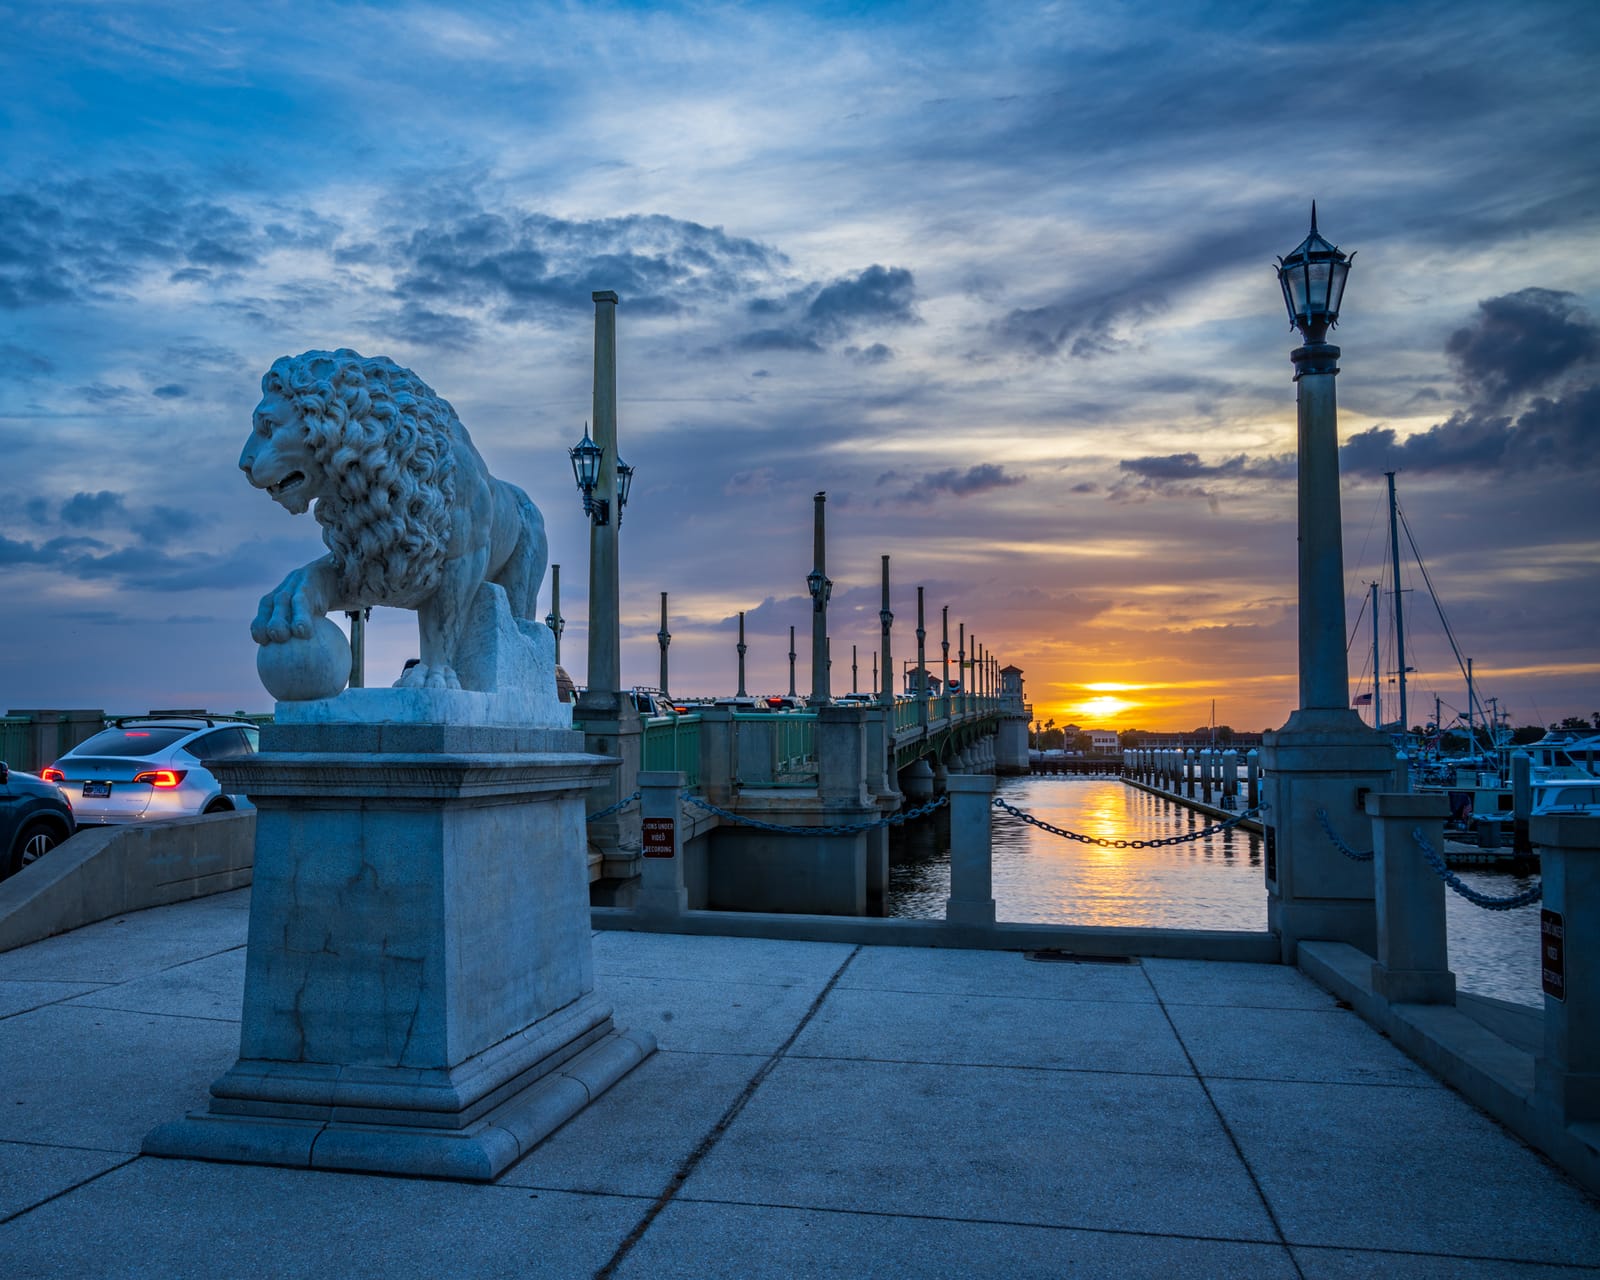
[994, 276]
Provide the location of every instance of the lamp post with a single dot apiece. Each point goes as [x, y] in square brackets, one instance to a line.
[664, 638]
[553, 619]
[791, 662]
[922, 665]
[1318, 769]
[741, 648]
[854, 672]
[599, 473]
[886, 622]
[944, 649]
[1313, 277]
[818, 584]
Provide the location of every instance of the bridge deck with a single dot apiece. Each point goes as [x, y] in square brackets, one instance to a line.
[815, 1108]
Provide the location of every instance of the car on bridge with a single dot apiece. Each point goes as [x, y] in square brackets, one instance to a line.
[144, 768]
[34, 818]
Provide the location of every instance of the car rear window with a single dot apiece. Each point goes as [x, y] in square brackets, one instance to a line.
[132, 741]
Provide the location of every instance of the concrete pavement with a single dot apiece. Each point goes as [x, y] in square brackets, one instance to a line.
[816, 1109]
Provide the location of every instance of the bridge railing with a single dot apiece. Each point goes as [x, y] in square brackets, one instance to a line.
[673, 743]
[797, 741]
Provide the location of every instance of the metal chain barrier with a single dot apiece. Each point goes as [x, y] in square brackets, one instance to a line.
[615, 808]
[1104, 843]
[1527, 898]
[1353, 854]
[844, 829]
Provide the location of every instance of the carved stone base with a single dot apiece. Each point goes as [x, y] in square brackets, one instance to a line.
[419, 986]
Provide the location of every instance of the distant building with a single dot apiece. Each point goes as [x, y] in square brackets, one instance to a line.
[1103, 742]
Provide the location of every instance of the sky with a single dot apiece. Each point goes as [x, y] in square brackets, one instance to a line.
[996, 277]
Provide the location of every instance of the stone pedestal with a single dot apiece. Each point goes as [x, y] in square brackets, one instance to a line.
[1569, 861]
[419, 989]
[1413, 965]
[971, 898]
[1324, 760]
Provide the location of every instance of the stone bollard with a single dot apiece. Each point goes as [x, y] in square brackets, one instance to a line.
[661, 886]
[971, 898]
[1413, 964]
[1521, 802]
[1569, 1072]
[1252, 778]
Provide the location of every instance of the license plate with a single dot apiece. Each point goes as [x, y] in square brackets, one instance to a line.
[96, 790]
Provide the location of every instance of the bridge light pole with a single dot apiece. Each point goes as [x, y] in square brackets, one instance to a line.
[741, 648]
[818, 584]
[553, 619]
[944, 666]
[922, 665]
[791, 662]
[886, 622]
[664, 638]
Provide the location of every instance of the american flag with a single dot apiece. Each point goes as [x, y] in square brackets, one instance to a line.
[1361, 700]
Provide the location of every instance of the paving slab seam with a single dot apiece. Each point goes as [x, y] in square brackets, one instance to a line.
[983, 1222]
[994, 1066]
[1238, 1150]
[67, 1191]
[1586, 1268]
[17, 1013]
[996, 995]
[148, 1013]
[66, 1146]
[1428, 1085]
[705, 1145]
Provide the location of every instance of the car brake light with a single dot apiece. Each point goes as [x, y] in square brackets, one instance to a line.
[161, 778]
[52, 775]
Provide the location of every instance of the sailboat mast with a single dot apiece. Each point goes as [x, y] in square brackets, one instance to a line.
[1377, 669]
[1399, 609]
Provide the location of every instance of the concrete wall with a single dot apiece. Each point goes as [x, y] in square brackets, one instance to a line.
[108, 871]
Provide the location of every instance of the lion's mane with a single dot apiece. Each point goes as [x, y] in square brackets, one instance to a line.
[384, 441]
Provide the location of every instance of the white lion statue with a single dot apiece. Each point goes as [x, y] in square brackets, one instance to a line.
[409, 512]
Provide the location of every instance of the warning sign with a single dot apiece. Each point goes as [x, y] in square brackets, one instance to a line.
[658, 837]
[1553, 954]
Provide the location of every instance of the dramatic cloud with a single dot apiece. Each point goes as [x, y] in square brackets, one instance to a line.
[1186, 475]
[961, 484]
[531, 263]
[811, 316]
[91, 510]
[1556, 433]
[1521, 343]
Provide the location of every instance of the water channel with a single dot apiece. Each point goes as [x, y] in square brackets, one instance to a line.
[1212, 883]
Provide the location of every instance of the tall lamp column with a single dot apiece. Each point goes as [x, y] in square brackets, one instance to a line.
[821, 588]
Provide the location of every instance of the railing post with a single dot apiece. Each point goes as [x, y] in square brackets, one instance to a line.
[661, 887]
[971, 900]
[1413, 964]
[1569, 859]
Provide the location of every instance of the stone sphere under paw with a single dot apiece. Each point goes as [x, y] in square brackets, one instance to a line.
[303, 670]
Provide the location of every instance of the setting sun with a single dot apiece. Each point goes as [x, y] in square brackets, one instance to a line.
[1102, 708]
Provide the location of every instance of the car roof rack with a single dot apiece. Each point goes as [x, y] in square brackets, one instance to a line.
[211, 719]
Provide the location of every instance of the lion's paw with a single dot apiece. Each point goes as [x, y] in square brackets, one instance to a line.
[421, 676]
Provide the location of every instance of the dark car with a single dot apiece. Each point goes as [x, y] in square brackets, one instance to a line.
[34, 818]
